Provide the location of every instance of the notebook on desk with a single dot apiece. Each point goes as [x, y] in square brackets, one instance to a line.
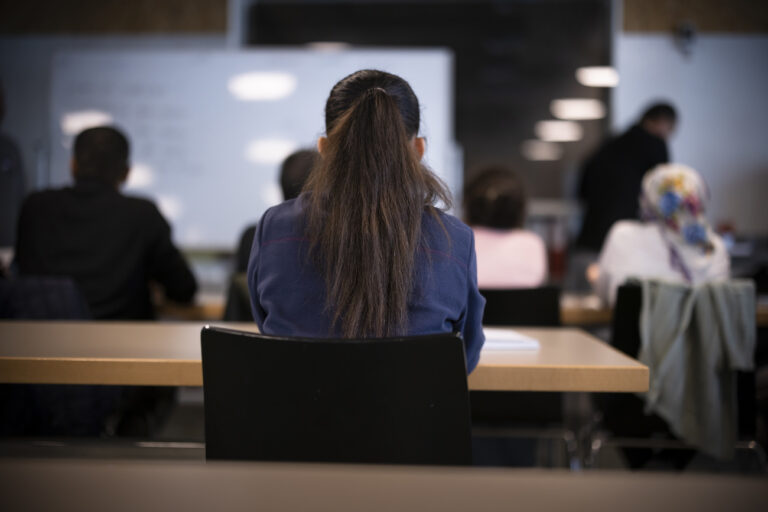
[498, 338]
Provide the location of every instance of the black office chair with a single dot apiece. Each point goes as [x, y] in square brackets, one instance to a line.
[393, 401]
[68, 410]
[48, 410]
[522, 415]
[643, 437]
[521, 307]
[42, 298]
[533, 307]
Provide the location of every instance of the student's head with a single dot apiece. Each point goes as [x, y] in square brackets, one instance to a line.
[495, 198]
[660, 120]
[295, 171]
[365, 201]
[675, 196]
[101, 154]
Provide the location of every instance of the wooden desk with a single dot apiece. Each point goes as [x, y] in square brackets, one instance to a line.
[168, 354]
[762, 314]
[587, 311]
[575, 310]
[91, 486]
[584, 310]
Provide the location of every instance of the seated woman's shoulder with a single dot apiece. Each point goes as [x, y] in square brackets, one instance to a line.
[630, 229]
[455, 227]
[529, 238]
[286, 217]
[444, 232]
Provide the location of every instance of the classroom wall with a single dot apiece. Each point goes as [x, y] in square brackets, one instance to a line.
[720, 91]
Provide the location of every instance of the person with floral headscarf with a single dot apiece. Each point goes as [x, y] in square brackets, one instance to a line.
[673, 242]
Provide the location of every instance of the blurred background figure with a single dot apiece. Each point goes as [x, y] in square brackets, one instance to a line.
[113, 246]
[294, 172]
[11, 183]
[610, 180]
[673, 242]
[508, 256]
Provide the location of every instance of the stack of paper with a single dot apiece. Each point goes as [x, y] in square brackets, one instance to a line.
[507, 339]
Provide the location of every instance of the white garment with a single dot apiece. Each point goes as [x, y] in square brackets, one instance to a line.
[512, 258]
[638, 249]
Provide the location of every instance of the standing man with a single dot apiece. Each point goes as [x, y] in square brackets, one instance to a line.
[611, 178]
[111, 245]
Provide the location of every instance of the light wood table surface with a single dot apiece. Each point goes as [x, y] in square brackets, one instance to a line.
[91, 486]
[575, 310]
[168, 354]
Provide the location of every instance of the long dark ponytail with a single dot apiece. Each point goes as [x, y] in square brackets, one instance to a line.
[365, 202]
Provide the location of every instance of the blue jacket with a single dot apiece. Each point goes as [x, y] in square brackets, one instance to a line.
[288, 292]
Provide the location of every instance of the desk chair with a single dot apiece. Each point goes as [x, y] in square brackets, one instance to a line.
[68, 410]
[42, 298]
[523, 415]
[391, 401]
[48, 410]
[623, 422]
[533, 307]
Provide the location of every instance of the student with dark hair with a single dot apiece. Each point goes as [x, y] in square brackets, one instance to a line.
[294, 172]
[611, 178]
[508, 256]
[364, 252]
[111, 245]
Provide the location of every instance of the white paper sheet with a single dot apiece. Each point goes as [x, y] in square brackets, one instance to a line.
[497, 338]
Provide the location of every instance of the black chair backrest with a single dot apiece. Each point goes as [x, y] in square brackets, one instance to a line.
[625, 336]
[44, 409]
[625, 325]
[534, 307]
[531, 307]
[397, 400]
[42, 298]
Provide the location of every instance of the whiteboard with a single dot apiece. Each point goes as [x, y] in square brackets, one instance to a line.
[209, 129]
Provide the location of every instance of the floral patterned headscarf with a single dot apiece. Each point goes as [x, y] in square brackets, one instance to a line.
[675, 197]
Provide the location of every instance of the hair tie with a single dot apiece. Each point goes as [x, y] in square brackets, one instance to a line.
[379, 89]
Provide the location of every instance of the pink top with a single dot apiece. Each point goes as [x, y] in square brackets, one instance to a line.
[509, 258]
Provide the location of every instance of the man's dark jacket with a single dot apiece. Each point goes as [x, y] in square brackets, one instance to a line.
[110, 244]
[611, 180]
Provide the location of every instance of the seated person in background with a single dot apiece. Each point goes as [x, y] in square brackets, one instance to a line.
[508, 256]
[364, 252]
[112, 245]
[293, 174]
[673, 242]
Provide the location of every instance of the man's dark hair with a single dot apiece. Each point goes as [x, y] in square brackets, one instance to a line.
[495, 198]
[295, 171]
[659, 111]
[101, 154]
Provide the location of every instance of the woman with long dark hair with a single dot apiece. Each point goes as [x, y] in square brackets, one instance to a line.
[364, 251]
